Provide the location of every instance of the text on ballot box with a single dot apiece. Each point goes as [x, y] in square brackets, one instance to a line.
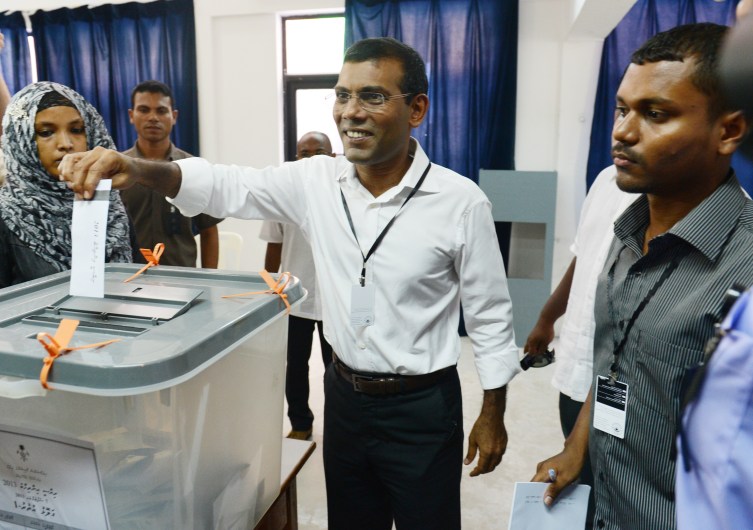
[49, 482]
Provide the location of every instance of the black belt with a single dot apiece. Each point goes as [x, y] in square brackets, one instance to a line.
[387, 384]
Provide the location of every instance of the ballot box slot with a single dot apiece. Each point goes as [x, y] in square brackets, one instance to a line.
[109, 328]
[150, 303]
[125, 310]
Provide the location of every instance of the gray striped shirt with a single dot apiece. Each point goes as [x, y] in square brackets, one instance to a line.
[634, 477]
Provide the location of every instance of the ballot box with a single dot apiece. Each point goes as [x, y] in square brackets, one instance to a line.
[183, 414]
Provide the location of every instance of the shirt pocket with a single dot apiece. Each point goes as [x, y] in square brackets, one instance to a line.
[659, 371]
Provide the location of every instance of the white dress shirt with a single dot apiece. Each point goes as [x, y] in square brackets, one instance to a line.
[575, 346]
[297, 260]
[441, 250]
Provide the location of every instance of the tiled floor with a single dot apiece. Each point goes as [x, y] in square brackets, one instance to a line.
[533, 427]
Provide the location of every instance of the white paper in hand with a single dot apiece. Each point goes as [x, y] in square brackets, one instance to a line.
[88, 231]
[530, 513]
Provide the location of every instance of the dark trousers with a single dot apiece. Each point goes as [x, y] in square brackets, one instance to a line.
[396, 457]
[300, 339]
[569, 410]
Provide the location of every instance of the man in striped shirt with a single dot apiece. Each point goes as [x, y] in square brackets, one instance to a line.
[676, 250]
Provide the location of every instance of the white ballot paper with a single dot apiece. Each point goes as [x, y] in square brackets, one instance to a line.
[49, 483]
[530, 513]
[88, 231]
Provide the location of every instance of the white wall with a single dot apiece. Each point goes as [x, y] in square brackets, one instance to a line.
[240, 90]
[240, 78]
[559, 49]
[240, 96]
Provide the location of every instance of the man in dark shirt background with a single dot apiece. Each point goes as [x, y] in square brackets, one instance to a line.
[157, 221]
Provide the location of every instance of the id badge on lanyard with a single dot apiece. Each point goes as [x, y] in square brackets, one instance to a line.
[362, 305]
[362, 296]
[610, 406]
[611, 396]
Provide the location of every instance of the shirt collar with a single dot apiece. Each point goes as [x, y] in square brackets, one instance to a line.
[170, 157]
[409, 180]
[706, 227]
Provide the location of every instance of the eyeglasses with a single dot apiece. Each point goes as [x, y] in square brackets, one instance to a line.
[537, 361]
[368, 101]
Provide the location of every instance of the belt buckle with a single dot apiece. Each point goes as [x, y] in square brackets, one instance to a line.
[386, 385]
[358, 379]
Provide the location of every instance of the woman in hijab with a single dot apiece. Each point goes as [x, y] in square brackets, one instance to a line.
[44, 122]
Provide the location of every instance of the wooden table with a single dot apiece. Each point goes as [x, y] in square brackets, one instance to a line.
[283, 514]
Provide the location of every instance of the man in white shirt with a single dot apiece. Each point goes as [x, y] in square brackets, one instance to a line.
[574, 295]
[287, 246]
[398, 243]
[574, 298]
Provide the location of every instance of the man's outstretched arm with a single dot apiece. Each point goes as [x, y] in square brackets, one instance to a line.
[83, 171]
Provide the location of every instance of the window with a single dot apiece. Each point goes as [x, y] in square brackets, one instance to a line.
[313, 48]
[33, 54]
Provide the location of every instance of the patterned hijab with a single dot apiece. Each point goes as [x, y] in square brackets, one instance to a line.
[35, 206]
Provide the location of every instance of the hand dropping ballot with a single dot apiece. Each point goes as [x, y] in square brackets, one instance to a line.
[530, 513]
[89, 231]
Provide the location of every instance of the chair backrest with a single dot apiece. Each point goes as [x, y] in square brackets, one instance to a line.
[231, 244]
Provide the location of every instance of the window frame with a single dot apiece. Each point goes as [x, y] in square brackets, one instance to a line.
[292, 83]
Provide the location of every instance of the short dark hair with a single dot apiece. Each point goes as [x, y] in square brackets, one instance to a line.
[153, 87]
[701, 42]
[414, 79]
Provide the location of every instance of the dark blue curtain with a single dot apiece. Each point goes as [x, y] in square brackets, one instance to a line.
[14, 59]
[645, 19]
[103, 52]
[470, 48]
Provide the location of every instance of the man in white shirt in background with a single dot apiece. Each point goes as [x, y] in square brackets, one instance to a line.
[287, 246]
[398, 243]
[574, 298]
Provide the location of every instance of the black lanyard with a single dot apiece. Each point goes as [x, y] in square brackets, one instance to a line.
[379, 238]
[613, 315]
